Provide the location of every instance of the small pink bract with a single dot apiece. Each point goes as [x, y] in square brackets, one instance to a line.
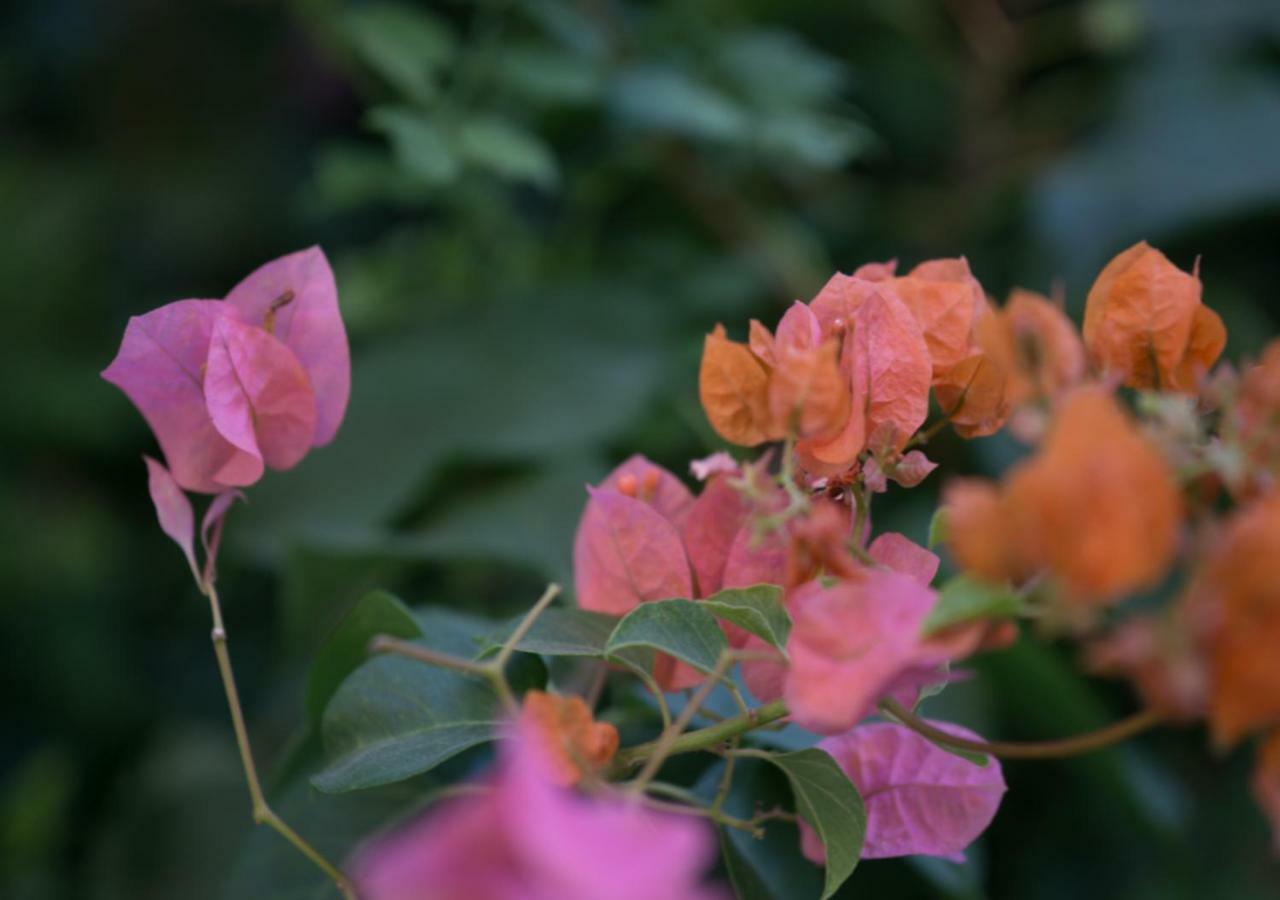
[920, 799]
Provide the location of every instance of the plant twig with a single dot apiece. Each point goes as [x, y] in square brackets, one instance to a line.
[263, 814]
[1059, 749]
[662, 747]
[704, 738]
[514, 639]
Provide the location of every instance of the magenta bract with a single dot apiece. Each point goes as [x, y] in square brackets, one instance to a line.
[230, 387]
[528, 839]
[920, 799]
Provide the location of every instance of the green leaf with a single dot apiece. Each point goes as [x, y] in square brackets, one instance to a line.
[828, 801]
[758, 609]
[508, 150]
[561, 631]
[666, 99]
[939, 527]
[746, 881]
[346, 648]
[769, 867]
[962, 599]
[405, 46]
[453, 631]
[395, 718]
[419, 145]
[549, 76]
[680, 628]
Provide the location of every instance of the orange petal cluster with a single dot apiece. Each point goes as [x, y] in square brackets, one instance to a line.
[1023, 353]
[1254, 425]
[575, 743]
[1097, 507]
[1239, 599]
[1144, 323]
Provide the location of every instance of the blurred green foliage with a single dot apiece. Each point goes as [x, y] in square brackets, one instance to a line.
[536, 208]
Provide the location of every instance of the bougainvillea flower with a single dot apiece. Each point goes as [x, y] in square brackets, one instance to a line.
[1048, 354]
[1117, 536]
[627, 552]
[714, 522]
[173, 509]
[848, 644]
[886, 342]
[1237, 600]
[920, 799]
[574, 743]
[177, 519]
[946, 300]
[642, 479]
[1253, 426]
[974, 392]
[295, 299]
[1266, 782]
[733, 385]
[232, 386]
[717, 463]
[886, 360]
[1145, 325]
[644, 537]
[901, 554]
[526, 838]
[808, 394]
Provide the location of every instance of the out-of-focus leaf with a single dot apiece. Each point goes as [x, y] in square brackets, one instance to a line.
[758, 609]
[828, 801]
[405, 45]
[667, 99]
[550, 77]
[507, 150]
[938, 527]
[680, 628]
[526, 521]
[418, 143]
[428, 396]
[568, 25]
[962, 599]
[347, 647]
[823, 142]
[1190, 119]
[780, 67]
[354, 175]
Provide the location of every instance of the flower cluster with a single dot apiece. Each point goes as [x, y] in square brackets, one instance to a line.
[1150, 470]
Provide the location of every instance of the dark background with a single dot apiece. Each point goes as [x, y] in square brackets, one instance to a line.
[535, 209]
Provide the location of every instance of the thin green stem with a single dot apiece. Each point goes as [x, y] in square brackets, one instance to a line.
[672, 733]
[385, 643]
[1060, 749]
[726, 778]
[692, 805]
[522, 630]
[704, 738]
[263, 814]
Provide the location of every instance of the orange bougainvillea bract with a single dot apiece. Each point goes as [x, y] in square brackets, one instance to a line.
[1144, 323]
[1242, 606]
[1098, 508]
[575, 744]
